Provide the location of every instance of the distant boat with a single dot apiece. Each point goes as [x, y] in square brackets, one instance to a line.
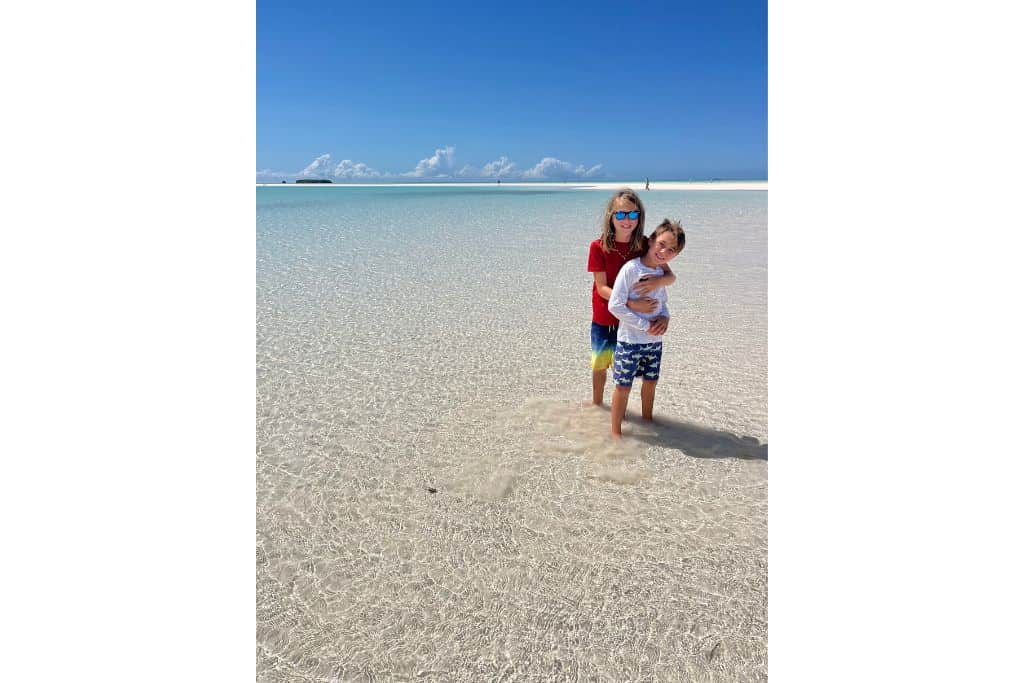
[312, 180]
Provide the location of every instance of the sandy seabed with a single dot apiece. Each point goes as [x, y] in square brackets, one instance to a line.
[436, 499]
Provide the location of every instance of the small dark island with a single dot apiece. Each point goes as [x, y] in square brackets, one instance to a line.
[312, 180]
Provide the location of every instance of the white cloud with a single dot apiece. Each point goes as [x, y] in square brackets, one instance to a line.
[440, 165]
[500, 168]
[318, 166]
[268, 175]
[437, 166]
[349, 169]
[551, 168]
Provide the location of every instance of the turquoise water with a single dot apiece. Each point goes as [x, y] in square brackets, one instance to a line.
[411, 339]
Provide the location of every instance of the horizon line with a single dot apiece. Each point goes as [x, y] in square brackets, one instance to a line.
[713, 184]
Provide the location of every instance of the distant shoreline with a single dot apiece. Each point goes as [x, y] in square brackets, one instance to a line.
[637, 185]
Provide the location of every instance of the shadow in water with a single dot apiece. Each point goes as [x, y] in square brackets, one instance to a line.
[693, 439]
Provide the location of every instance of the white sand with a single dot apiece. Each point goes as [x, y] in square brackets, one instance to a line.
[546, 551]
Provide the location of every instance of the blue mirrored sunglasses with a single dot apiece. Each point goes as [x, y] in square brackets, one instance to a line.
[621, 215]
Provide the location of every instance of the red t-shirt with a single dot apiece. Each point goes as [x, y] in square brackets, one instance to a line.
[610, 263]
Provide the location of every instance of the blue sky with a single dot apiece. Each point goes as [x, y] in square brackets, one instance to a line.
[463, 90]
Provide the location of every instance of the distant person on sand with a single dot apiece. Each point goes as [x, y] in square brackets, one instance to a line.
[638, 351]
[621, 239]
[647, 184]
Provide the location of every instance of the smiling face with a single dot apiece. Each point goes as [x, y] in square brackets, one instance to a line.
[628, 227]
[624, 226]
[661, 249]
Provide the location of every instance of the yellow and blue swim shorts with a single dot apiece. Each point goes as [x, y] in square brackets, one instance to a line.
[602, 345]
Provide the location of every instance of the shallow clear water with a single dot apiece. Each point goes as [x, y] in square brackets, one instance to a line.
[438, 338]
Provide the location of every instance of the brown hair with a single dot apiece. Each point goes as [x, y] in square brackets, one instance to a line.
[669, 226]
[636, 239]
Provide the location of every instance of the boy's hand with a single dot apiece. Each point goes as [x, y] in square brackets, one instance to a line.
[658, 326]
[646, 286]
[645, 305]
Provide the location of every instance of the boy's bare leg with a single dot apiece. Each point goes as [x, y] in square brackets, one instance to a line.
[647, 399]
[620, 398]
[599, 379]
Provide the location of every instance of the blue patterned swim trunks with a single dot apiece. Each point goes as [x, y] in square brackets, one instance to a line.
[636, 360]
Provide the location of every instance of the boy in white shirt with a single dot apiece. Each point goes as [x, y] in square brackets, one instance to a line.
[638, 347]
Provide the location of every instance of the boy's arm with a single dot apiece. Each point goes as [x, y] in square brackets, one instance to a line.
[620, 294]
[605, 292]
[648, 285]
[659, 325]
